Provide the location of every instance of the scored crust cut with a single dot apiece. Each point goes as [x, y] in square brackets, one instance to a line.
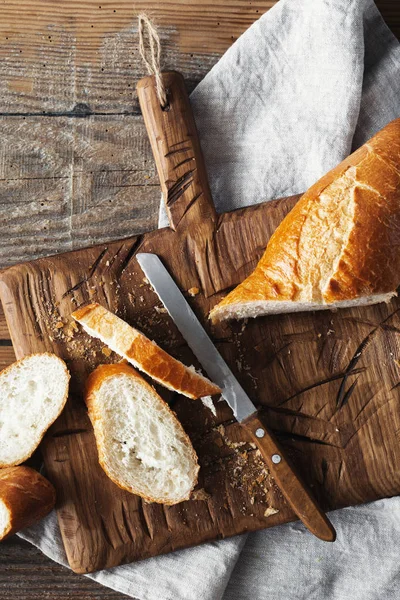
[142, 446]
[25, 498]
[33, 392]
[338, 247]
[143, 353]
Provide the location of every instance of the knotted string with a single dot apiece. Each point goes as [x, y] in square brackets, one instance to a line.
[150, 51]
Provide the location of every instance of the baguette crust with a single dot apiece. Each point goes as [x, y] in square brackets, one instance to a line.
[26, 495]
[365, 256]
[7, 370]
[143, 353]
[94, 382]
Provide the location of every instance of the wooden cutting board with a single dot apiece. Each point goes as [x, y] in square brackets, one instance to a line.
[328, 382]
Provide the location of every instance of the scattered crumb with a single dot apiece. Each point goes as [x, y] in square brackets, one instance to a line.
[208, 403]
[59, 325]
[200, 494]
[234, 445]
[107, 263]
[220, 429]
[106, 351]
[160, 310]
[193, 291]
[270, 511]
[244, 324]
[145, 280]
[131, 298]
[330, 331]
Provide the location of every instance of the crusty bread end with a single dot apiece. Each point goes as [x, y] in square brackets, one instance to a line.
[338, 247]
[25, 498]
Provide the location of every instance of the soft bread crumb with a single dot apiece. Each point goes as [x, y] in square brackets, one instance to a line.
[142, 446]
[245, 310]
[33, 392]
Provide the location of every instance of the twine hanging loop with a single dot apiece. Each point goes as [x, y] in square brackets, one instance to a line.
[150, 51]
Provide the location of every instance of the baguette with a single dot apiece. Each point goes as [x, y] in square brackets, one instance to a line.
[25, 497]
[33, 392]
[143, 353]
[142, 447]
[338, 247]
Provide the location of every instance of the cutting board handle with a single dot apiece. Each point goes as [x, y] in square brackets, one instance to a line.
[176, 148]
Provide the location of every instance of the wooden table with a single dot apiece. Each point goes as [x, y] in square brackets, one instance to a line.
[75, 164]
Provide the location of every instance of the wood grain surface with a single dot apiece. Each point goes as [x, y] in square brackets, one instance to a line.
[30, 197]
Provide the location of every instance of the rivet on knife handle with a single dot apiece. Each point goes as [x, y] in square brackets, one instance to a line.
[290, 484]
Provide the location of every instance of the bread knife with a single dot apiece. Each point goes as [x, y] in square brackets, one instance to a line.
[292, 487]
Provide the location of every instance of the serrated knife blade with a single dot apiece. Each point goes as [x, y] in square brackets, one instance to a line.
[195, 335]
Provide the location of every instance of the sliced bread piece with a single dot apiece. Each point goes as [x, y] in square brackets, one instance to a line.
[25, 498]
[33, 392]
[143, 353]
[142, 446]
[338, 247]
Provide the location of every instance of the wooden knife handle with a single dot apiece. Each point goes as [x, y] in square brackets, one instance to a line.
[292, 487]
[176, 148]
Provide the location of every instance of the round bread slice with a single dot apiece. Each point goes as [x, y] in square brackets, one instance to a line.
[25, 498]
[33, 392]
[142, 446]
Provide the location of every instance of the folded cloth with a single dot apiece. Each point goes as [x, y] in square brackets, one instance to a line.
[288, 101]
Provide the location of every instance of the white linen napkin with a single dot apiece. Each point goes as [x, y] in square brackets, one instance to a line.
[288, 101]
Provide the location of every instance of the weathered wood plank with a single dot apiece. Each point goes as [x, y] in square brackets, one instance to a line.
[26, 574]
[67, 183]
[55, 55]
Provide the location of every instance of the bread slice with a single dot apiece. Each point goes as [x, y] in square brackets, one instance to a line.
[339, 246]
[142, 446]
[142, 353]
[25, 498]
[33, 392]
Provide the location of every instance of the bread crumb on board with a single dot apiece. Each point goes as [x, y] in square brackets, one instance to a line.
[193, 291]
[270, 511]
[246, 470]
[208, 403]
[200, 494]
